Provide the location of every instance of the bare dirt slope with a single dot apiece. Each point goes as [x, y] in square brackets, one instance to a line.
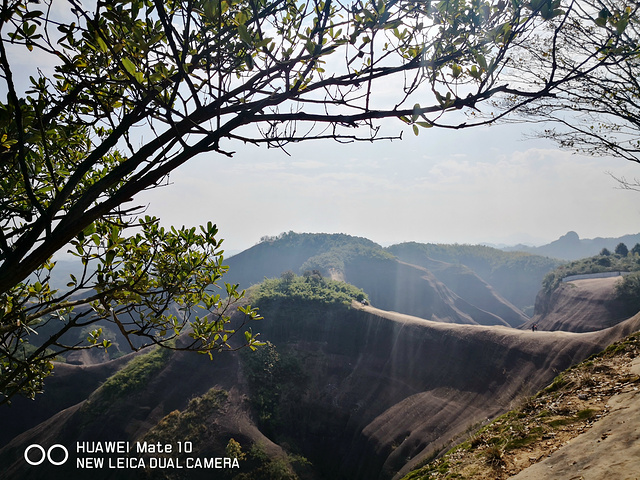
[579, 306]
[584, 426]
[609, 449]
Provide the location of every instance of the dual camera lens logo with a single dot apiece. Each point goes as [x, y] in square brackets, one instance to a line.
[40, 454]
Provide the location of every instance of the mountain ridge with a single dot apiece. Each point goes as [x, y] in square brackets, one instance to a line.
[571, 247]
[371, 388]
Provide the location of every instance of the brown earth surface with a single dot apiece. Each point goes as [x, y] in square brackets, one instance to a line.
[585, 425]
[386, 390]
[579, 306]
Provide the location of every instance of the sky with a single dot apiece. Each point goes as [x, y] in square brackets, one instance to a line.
[481, 185]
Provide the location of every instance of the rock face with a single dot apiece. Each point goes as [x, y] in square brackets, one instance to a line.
[579, 306]
[385, 389]
[468, 285]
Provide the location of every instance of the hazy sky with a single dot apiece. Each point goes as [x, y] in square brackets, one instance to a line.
[472, 186]
[479, 185]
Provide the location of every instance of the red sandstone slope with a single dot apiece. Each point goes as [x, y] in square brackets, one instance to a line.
[385, 389]
[579, 306]
[488, 368]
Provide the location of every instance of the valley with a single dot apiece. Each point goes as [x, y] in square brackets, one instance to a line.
[367, 381]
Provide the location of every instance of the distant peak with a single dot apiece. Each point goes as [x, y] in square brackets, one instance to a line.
[571, 236]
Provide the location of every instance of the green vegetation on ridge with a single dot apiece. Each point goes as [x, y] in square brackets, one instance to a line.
[334, 260]
[130, 379]
[277, 382]
[605, 262]
[480, 258]
[311, 287]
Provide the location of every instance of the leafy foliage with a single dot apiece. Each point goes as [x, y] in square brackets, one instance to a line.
[188, 425]
[308, 288]
[148, 285]
[263, 467]
[277, 383]
[628, 290]
[596, 112]
[622, 250]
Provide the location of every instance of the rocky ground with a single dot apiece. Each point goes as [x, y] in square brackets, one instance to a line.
[584, 425]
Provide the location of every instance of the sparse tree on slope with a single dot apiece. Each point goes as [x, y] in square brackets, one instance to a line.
[201, 76]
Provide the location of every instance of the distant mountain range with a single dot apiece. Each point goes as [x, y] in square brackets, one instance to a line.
[468, 277]
[572, 247]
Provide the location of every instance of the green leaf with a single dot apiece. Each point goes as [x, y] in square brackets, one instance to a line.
[416, 112]
[244, 35]
[622, 25]
[129, 66]
[481, 61]
[416, 131]
[103, 46]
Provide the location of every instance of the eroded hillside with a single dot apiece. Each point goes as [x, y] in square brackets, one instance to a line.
[377, 392]
[585, 424]
[434, 290]
[343, 389]
[584, 305]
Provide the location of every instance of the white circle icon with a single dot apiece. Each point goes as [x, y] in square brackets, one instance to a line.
[45, 454]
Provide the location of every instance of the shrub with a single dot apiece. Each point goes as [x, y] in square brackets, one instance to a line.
[628, 291]
[311, 287]
[622, 250]
[596, 264]
[493, 456]
[277, 383]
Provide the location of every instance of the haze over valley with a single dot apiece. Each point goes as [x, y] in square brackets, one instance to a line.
[376, 360]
